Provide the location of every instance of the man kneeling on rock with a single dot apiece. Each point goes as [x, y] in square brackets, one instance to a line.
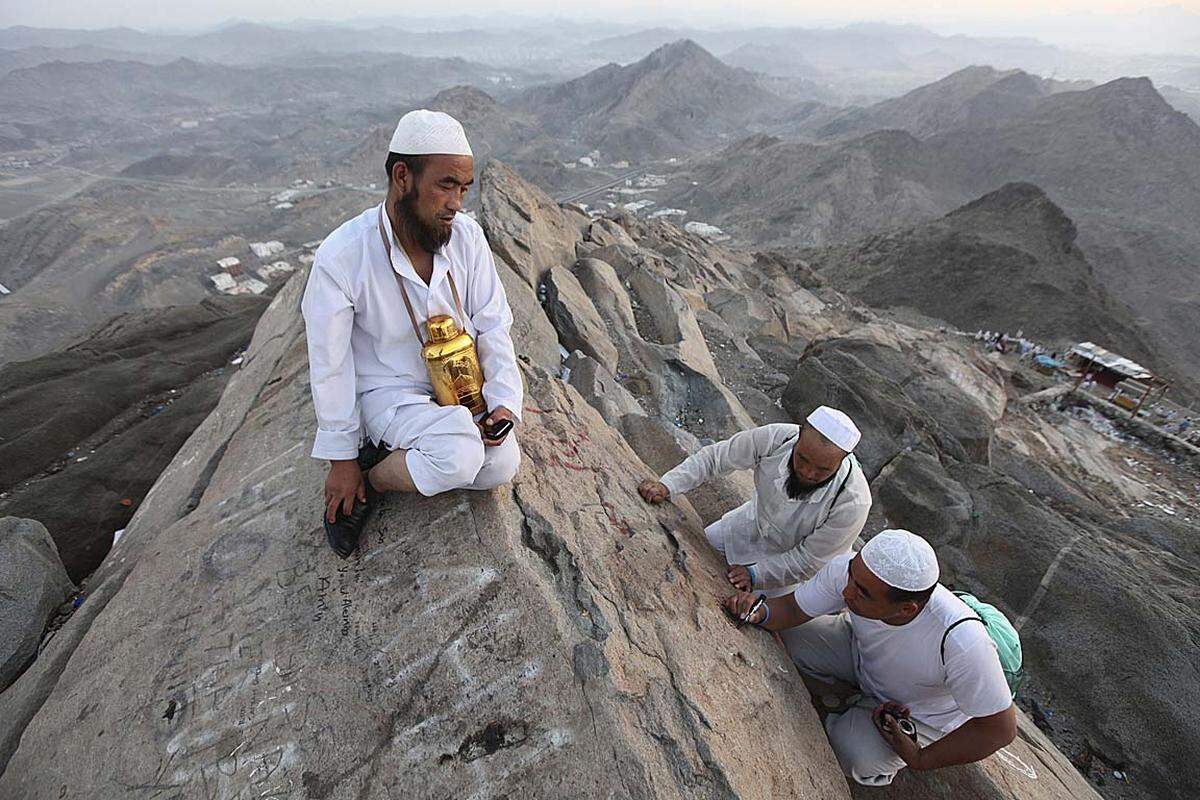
[881, 621]
[390, 295]
[810, 499]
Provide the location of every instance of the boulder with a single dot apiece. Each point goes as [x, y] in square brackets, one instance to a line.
[534, 338]
[915, 493]
[601, 390]
[605, 232]
[745, 313]
[606, 291]
[673, 321]
[662, 446]
[525, 226]
[35, 584]
[890, 423]
[575, 318]
[1107, 617]
[554, 638]
[895, 402]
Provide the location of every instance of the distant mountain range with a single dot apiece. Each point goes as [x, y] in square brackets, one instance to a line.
[125, 89]
[1121, 162]
[856, 63]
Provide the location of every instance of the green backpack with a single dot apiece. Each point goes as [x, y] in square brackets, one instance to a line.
[1008, 642]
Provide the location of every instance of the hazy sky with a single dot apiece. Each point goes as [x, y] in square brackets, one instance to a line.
[157, 14]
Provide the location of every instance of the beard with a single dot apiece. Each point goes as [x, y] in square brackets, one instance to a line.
[429, 236]
[797, 487]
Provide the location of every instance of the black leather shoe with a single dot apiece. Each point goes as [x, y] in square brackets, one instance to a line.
[344, 533]
[369, 455]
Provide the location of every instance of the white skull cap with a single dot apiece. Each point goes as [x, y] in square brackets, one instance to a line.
[835, 426]
[424, 132]
[901, 559]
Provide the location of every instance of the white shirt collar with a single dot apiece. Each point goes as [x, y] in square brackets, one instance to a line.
[401, 263]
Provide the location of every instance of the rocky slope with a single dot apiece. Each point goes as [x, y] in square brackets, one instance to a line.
[556, 638]
[560, 638]
[88, 428]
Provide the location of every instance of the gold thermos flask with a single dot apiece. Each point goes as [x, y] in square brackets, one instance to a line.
[453, 365]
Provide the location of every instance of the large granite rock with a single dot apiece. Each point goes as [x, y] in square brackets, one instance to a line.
[897, 400]
[534, 338]
[525, 226]
[33, 583]
[556, 638]
[575, 318]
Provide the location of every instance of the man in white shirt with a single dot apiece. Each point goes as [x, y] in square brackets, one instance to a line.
[810, 499]
[881, 621]
[368, 377]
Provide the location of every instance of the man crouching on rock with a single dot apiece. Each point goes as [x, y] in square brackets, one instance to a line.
[411, 271]
[810, 499]
[881, 621]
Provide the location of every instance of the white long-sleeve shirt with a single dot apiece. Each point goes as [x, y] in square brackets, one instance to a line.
[787, 541]
[364, 359]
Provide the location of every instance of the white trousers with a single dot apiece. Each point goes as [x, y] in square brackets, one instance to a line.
[446, 451]
[715, 533]
[824, 649]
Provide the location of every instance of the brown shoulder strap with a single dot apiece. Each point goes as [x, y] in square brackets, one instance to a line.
[387, 248]
[412, 317]
[457, 300]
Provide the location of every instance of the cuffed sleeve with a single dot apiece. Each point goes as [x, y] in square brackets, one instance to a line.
[493, 319]
[741, 451]
[328, 323]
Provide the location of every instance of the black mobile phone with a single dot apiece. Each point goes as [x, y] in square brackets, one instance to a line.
[499, 430]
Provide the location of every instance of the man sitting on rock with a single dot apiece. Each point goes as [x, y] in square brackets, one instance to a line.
[879, 620]
[374, 283]
[810, 499]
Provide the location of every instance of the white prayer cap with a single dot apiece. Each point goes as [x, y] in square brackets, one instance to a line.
[835, 426]
[901, 559]
[424, 132]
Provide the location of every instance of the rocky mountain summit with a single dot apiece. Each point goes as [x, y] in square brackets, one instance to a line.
[560, 638]
[975, 96]
[1006, 261]
[677, 99]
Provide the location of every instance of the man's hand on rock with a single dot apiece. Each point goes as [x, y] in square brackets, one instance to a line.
[739, 578]
[738, 605]
[653, 491]
[343, 486]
